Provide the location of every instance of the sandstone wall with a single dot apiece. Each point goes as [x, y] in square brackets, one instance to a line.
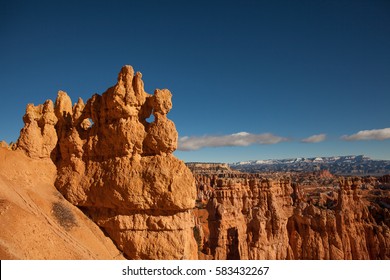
[261, 218]
[355, 227]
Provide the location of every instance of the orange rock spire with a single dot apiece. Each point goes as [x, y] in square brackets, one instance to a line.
[119, 167]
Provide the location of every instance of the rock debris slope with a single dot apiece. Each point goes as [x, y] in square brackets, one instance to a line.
[118, 167]
[36, 222]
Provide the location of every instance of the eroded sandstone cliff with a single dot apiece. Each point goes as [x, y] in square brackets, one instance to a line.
[253, 217]
[118, 167]
[352, 224]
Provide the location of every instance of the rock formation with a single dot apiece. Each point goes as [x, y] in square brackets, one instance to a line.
[37, 222]
[210, 168]
[247, 220]
[118, 167]
[38, 137]
[356, 226]
[253, 217]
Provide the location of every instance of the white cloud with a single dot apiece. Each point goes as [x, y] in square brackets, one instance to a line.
[314, 138]
[237, 139]
[373, 134]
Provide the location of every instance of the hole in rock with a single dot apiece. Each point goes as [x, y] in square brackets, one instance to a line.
[91, 122]
[150, 119]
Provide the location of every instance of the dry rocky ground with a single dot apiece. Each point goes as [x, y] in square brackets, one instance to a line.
[37, 222]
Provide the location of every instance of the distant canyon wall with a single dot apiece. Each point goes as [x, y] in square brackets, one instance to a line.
[250, 217]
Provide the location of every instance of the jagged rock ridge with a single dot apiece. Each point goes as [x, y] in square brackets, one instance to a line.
[341, 165]
[119, 167]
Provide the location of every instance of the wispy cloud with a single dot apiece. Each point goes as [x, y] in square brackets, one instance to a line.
[237, 139]
[373, 134]
[314, 138]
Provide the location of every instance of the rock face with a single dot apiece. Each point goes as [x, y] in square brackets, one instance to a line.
[210, 168]
[38, 137]
[119, 167]
[250, 217]
[247, 220]
[37, 222]
[353, 225]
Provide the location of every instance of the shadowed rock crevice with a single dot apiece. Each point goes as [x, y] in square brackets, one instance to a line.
[232, 244]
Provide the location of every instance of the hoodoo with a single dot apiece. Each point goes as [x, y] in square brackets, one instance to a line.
[118, 167]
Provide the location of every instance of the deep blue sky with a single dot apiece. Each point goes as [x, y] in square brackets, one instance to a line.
[290, 68]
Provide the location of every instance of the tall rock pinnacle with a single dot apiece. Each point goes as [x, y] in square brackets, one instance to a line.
[119, 167]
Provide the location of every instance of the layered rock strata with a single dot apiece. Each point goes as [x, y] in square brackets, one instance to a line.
[118, 167]
[250, 217]
[248, 221]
